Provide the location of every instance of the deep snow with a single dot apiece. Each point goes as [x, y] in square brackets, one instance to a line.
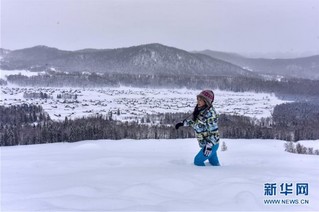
[154, 175]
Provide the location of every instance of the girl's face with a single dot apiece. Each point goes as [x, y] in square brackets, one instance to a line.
[200, 102]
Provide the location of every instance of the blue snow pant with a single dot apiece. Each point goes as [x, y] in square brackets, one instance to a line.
[200, 158]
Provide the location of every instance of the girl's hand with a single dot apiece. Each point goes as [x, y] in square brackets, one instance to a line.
[208, 149]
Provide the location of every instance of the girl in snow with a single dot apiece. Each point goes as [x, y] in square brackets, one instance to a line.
[204, 122]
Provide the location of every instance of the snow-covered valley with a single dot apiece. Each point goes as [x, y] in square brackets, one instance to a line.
[152, 175]
[126, 103]
[129, 103]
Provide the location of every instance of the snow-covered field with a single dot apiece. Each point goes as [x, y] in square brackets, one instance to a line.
[157, 175]
[126, 103]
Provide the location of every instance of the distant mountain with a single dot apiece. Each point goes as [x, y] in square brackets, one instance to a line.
[306, 67]
[144, 59]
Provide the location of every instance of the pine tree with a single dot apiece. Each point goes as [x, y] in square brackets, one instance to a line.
[299, 148]
[289, 147]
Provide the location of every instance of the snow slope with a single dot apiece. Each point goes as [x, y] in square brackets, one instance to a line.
[154, 175]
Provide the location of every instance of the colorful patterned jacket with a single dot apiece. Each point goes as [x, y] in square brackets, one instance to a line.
[205, 126]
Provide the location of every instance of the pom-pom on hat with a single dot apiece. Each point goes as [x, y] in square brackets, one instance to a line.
[208, 96]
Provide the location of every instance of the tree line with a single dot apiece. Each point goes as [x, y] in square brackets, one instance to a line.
[300, 118]
[300, 149]
[22, 114]
[237, 84]
[29, 124]
[22, 125]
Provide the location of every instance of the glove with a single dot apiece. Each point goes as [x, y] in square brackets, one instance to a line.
[208, 149]
[178, 125]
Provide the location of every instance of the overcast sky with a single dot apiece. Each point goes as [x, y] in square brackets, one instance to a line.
[242, 26]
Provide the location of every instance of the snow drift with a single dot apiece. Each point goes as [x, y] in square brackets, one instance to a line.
[155, 175]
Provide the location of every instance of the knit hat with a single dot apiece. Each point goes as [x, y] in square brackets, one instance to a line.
[208, 96]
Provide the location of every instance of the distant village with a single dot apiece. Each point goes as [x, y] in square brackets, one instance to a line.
[129, 104]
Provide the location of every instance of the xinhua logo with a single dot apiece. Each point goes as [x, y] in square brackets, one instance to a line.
[295, 192]
[270, 189]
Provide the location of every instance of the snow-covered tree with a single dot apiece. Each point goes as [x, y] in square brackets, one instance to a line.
[224, 147]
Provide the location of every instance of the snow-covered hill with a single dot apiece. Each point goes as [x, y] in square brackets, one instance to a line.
[157, 175]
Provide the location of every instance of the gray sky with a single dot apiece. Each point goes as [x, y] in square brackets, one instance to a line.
[242, 26]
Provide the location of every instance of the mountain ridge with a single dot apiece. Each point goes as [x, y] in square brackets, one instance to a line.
[303, 67]
[150, 59]
[158, 59]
